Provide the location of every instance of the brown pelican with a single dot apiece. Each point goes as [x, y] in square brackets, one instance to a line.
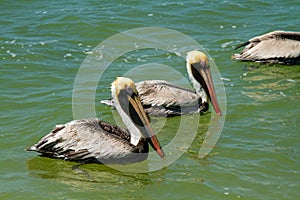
[95, 141]
[160, 98]
[275, 47]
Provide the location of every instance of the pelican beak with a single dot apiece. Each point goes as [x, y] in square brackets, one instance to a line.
[143, 123]
[128, 102]
[201, 72]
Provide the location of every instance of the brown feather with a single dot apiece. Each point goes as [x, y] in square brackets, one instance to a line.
[274, 47]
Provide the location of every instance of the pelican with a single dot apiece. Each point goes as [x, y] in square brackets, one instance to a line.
[161, 98]
[275, 47]
[95, 141]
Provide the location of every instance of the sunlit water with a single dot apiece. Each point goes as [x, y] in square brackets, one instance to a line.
[42, 45]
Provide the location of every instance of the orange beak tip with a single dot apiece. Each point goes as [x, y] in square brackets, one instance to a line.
[161, 154]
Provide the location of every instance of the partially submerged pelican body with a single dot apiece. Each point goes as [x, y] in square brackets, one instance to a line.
[161, 98]
[281, 47]
[95, 141]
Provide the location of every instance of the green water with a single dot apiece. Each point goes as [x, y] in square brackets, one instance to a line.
[42, 46]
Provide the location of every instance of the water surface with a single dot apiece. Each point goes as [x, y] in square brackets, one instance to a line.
[42, 45]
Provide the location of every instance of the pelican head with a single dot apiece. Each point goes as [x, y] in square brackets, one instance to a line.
[130, 109]
[199, 73]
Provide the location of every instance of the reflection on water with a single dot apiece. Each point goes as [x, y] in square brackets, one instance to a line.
[86, 177]
[265, 83]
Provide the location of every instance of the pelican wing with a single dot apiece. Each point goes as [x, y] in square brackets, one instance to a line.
[271, 46]
[87, 140]
[163, 93]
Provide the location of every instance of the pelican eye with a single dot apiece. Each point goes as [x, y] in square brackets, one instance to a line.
[129, 90]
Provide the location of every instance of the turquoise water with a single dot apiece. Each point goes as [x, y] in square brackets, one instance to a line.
[42, 46]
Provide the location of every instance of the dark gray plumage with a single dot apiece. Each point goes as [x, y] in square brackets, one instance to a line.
[275, 47]
[95, 141]
[91, 141]
[160, 98]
